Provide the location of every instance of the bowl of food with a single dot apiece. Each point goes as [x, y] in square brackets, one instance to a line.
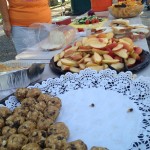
[126, 9]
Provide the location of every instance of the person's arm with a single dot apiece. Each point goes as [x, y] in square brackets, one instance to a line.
[5, 17]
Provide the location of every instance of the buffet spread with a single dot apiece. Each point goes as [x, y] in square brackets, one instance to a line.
[96, 102]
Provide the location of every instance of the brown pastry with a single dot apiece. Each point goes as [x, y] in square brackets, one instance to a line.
[7, 131]
[26, 127]
[31, 146]
[35, 92]
[44, 124]
[44, 97]
[51, 112]
[40, 106]
[59, 128]
[21, 111]
[16, 141]
[38, 136]
[3, 141]
[34, 115]
[21, 93]
[2, 123]
[98, 148]
[55, 101]
[28, 102]
[15, 121]
[4, 112]
[78, 145]
[56, 142]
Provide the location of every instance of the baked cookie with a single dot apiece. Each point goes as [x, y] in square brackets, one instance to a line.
[59, 128]
[3, 141]
[7, 131]
[16, 141]
[78, 145]
[28, 102]
[44, 97]
[38, 136]
[26, 127]
[34, 115]
[55, 101]
[56, 142]
[21, 93]
[31, 146]
[19, 111]
[2, 122]
[51, 112]
[15, 121]
[4, 112]
[44, 123]
[98, 148]
[35, 92]
[40, 106]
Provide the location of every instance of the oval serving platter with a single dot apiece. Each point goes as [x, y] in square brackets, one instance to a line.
[141, 64]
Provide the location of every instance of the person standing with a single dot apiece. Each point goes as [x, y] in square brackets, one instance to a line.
[17, 17]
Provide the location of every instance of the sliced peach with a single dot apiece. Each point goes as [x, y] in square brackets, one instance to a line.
[108, 61]
[118, 47]
[122, 53]
[118, 66]
[97, 58]
[106, 56]
[68, 62]
[130, 61]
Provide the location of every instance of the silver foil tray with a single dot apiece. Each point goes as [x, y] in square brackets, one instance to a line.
[29, 73]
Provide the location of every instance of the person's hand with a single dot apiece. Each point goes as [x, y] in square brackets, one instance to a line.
[7, 28]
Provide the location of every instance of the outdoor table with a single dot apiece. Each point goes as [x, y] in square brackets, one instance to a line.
[48, 73]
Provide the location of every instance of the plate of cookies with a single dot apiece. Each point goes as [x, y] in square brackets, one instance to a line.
[89, 110]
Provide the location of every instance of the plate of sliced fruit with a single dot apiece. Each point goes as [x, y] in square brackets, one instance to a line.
[99, 52]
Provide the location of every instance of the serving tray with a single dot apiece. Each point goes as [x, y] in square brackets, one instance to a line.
[139, 65]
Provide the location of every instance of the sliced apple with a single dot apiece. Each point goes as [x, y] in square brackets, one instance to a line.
[127, 46]
[101, 35]
[59, 63]
[135, 55]
[138, 50]
[103, 40]
[88, 59]
[130, 61]
[105, 66]
[118, 66]
[97, 44]
[109, 35]
[90, 64]
[84, 50]
[56, 57]
[86, 56]
[97, 58]
[118, 47]
[76, 56]
[78, 43]
[82, 66]
[97, 68]
[108, 61]
[73, 48]
[106, 56]
[101, 52]
[128, 40]
[65, 67]
[61, 55]
[122, 53]
[84, 41]
[111, 46]
[74, 69]
[69, 53]
[68, 62]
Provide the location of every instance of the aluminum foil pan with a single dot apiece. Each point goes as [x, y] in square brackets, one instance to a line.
[25, 73]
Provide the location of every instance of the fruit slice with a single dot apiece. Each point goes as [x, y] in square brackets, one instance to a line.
[76, 56]
[59, 63]
[90, 64]
[56, 57]
[101, 52]
[106, 56]
[97, 58]
[68, 62]
[122, 53]
[118, 47]
[130, 62]
[82, 66]
[118, 66]
[97, 44]
[65, 67]
[108, 61]
[74, 69]
[138, 50]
